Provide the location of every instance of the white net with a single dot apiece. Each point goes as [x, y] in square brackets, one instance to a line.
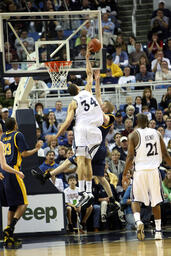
[58, 71]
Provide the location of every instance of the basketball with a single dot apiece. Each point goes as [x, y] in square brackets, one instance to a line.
[95, 45]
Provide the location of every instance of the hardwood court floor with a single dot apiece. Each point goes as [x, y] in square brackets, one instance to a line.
[103, 244]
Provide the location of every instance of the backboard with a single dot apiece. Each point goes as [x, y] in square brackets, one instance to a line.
[38, 37]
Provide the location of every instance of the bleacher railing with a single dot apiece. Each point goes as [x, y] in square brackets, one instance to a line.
[115, 93]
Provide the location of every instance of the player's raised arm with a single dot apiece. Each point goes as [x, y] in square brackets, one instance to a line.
[70, 116]
[97, 87]
[89, 72]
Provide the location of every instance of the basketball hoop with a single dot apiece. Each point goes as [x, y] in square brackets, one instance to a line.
[58, 71]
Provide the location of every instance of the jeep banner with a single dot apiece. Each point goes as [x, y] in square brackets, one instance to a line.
[45, 213]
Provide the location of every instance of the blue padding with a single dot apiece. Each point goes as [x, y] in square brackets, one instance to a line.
[35, 35]
[67, 33]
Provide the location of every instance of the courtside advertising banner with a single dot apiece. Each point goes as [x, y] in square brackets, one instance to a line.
[45, 213]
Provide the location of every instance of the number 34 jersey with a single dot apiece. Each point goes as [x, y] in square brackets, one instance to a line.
[88, 112]
[14, 145]
[148, 151]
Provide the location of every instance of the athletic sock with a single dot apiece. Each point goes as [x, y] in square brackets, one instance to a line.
[137, 216]
[13, 223]
[88, 186]
[158, 224]
[81, 185]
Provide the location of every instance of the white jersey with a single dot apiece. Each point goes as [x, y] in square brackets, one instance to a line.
[148, 151]
[88, 112]
[71, 195]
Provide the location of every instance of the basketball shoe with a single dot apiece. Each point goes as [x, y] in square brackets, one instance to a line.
[83, 199]
[40, 176]
[140, 230]
[158, 235]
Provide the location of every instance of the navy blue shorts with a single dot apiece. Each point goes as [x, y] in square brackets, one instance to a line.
[13, 191]
[98, 162]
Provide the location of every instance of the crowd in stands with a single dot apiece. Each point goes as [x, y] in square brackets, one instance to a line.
[126, 62]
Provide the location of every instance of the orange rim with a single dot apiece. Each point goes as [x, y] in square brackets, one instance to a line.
[54, 66]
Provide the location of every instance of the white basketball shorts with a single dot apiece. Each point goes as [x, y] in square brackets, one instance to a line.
[147, 187]
[87, 140]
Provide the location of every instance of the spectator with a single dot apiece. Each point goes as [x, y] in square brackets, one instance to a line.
[60, 114]
[161, 129]
[82, 39]
[143, 60]
[138, 104]
[166, 184]
[80, 59]
[120, 41]
[166, 99]
[50, 124]
[143, 76]
[52, 146]
[24, 37]
[103, 199]
[110, 135]
[128, 127]
[145, 111]
[14, 68]
[62, 152]
[7, 100]
[145, 211]
[75, 79]
[118, 123]
[156, 63]
[159, 118]
[148, 100]
[39, 115]
[71, 198]
[69, 139]
[163, 21]
[156, 28]
[127, 180]
[127, 78]
[167, 51]
[161, 6]
[116, 165]
[164, 73]
[168, 127]
[14, 85]
[115, 70]
[108, 28]
[168, 112]
[152, 124]
[4, 117]
[154, 45]
[124, 148]
[130, 114]
[120, 57]
[134, 57]
[129, 101]
[131, 44]
[117, 138]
